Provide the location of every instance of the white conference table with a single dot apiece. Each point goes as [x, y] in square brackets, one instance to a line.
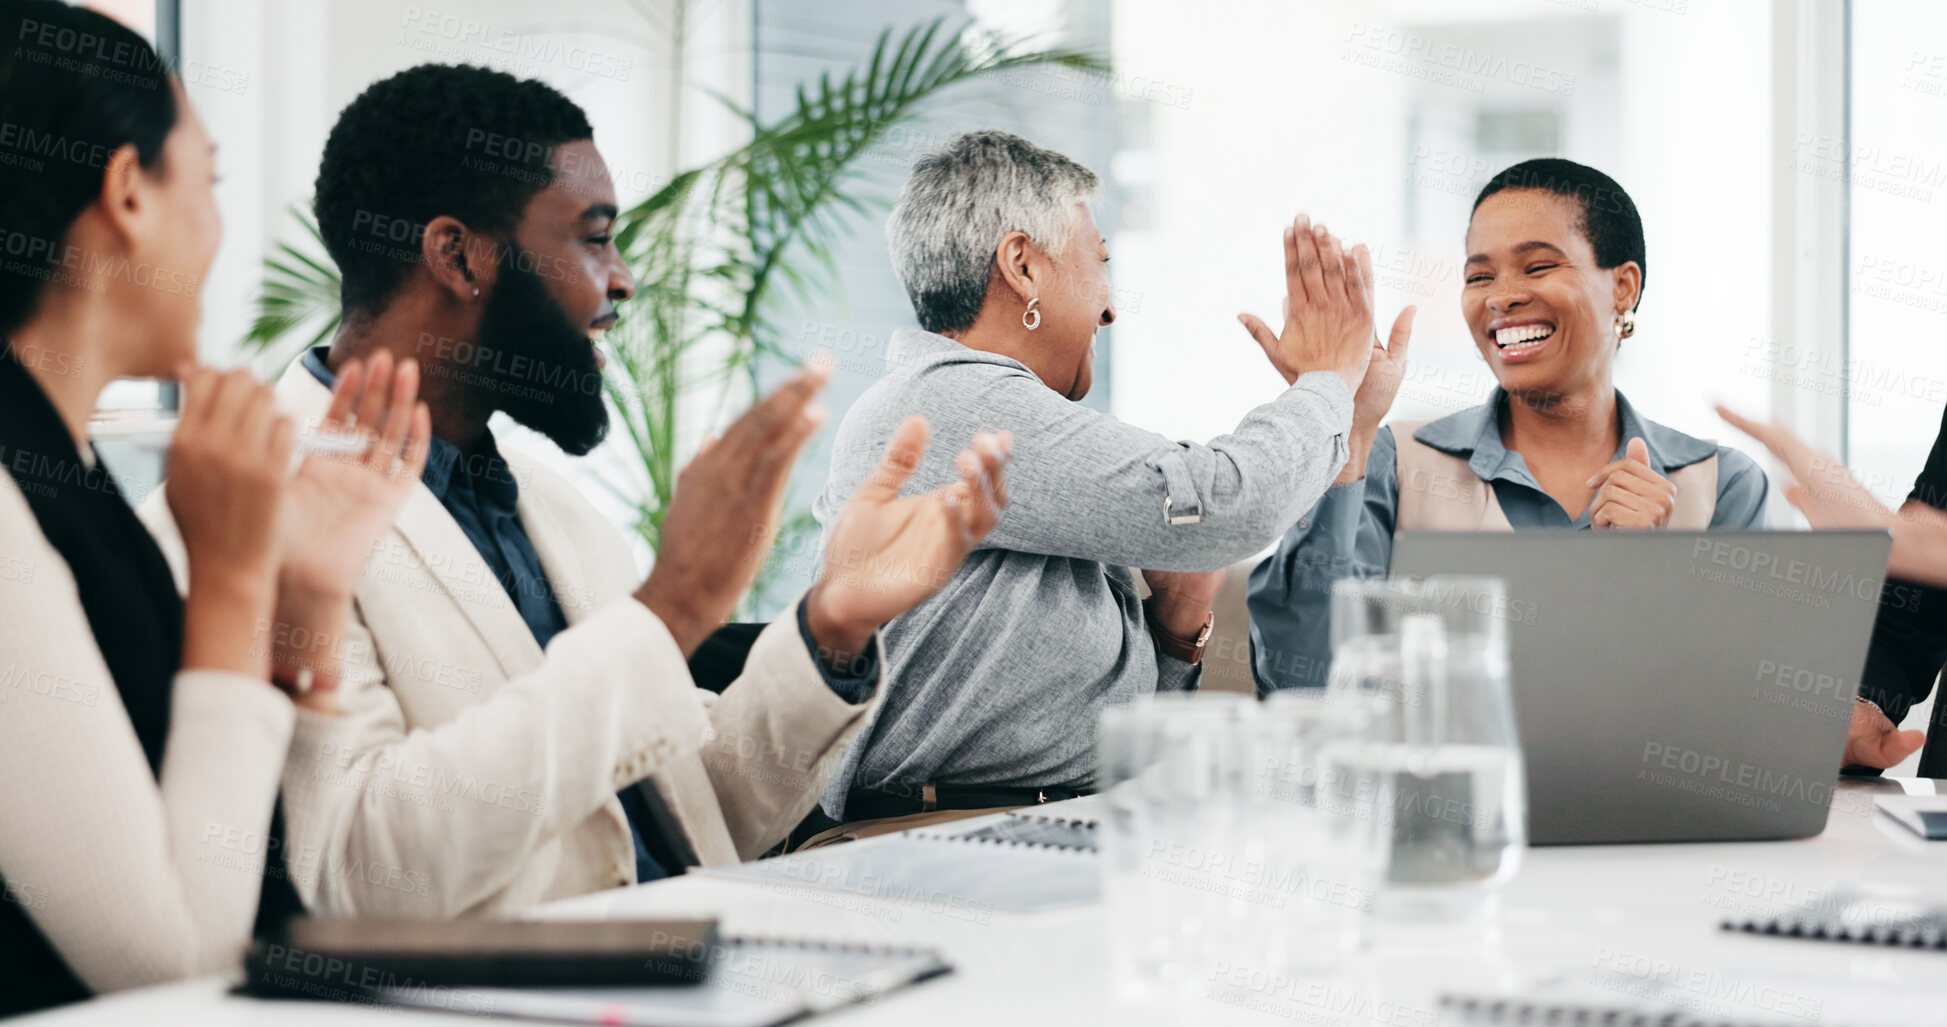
[1650, 912]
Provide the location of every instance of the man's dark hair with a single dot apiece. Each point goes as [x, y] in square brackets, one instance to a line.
[75, 86]
[452, 140]
[1609, 218]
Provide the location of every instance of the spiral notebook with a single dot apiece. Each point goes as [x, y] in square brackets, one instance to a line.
[1005, 863]
[1685, 995]
[1864, 916]
[1030, 829]
[748, 982]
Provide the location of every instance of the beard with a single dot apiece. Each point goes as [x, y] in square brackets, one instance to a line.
[538, 367]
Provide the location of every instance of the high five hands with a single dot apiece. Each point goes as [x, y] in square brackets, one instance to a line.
[1328, 310]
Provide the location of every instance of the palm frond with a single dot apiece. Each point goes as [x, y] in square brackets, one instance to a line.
[298, 290]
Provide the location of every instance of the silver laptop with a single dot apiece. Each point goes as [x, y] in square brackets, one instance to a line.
[1677, 686]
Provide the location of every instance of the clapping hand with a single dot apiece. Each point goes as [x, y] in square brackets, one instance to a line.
[228, 472]
[340, 505]
[887, 553]
[342, 501]
[1822, 488]
[724, 513]
[1630, 495]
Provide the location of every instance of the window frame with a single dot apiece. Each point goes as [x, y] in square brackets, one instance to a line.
[1811, 214]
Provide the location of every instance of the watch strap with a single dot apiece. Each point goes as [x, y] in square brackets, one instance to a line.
[1185, 650]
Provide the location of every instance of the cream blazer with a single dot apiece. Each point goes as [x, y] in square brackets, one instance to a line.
[472, 773]
[134, 880]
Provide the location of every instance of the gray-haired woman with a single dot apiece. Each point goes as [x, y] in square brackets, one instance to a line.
[995, 682]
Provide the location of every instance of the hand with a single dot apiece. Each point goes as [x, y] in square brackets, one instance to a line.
[1375, 396]
[1180, 601]
[1629, 495]
[1874, 741]
[887, 554]
[1327, 308]
[343, 502]
[1822, 489]
[341, 505]
[724, 513]
[227, 469]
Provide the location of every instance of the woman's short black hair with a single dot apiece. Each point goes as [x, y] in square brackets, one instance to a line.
[1609, 218]
[435, 140]
[75, 86]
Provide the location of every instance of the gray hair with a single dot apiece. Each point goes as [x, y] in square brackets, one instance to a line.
[961, 201]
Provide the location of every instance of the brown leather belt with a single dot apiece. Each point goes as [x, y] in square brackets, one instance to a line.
[874, 803]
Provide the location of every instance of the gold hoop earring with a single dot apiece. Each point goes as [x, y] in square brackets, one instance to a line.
[1625, 324]
[1031, 318]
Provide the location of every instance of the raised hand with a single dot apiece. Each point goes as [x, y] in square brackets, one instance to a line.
[341, 503]
[1875, 741]
[1374, 399]
[1822, 488]
[228, 468]
[1327, 308]
[724, 513]
[1629, 495]
[887, 554]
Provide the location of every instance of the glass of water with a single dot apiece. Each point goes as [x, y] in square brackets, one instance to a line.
[1446, 745]
[1169, 770]
[1366, 617]
[1239, 837]
[1322, 822]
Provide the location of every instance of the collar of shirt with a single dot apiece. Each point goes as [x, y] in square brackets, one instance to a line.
[1475, 433]
[486, 472]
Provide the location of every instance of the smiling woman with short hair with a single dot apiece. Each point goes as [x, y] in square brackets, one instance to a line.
[1554, 274]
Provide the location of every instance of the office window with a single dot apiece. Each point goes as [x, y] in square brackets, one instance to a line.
[1383, 120]
[1895, 375]
[130, 404]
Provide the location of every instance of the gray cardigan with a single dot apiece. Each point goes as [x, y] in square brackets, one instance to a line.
[997, 680]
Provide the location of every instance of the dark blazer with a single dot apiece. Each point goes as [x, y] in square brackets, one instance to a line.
[1909, 644]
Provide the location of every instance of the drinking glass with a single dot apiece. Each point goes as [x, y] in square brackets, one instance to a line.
[1366, 616]
[1319, 823]
[1430, 659]
[1168, 767]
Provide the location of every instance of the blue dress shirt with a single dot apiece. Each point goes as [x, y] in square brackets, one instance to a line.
[1349, 533]
[479, 490]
